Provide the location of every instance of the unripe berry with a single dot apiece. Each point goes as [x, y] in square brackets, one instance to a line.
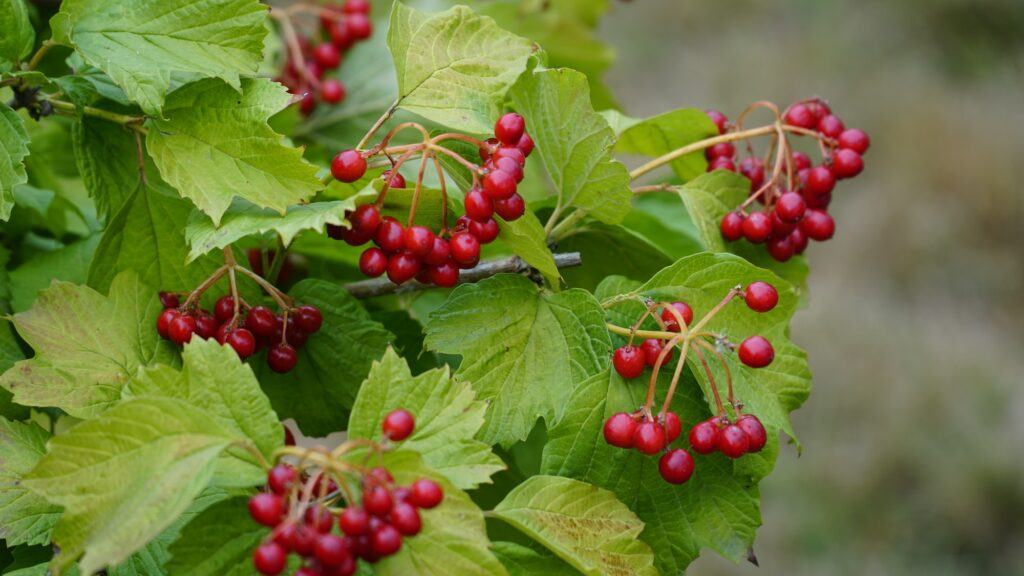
[348, 166]
[373, 262]
[425, 493]
[669, 318]
[756, 434]
[619, 430]
[676, 466]
[733, 441]
[732, 226]
[854, 139]
[756, 352]
[757, 227]
[509, 128]
[629, 361]
[398, 425]
[790, 207]
[761, 296]
[704, 436]
[649, 437]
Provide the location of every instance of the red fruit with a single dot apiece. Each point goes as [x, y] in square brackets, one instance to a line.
[366, 219]
[780, 248]
[732, 226]
[351, 237]
[261, 321]
[756, 352]
[319, 518]
[465, 249]
[629, 361]
[704, 436]
[855, 139]
[308, 319]
[757, 227]
[331, 550]
[819, 202]
[800, 115]
[163, 322]
[390, 235]
[340, 35]
[509, 165]
[509, 128]
[831, 126]
[753, 168]
[485, 231]
[439, 252]
[181, 329]
[489, 147]
[398, 425]
[377, 500]
[499, 184]
[525, 144]
[799, 241]
[819, 108]
[720, 150]
[719, 119]
[289, 438]
[332, 91]
[354, 521]
[478, 205]
[510, 208]
[820, 180]
[846, 163]
[242, 341]
[405, 518]
[373, 262]
[673, 427]
[756, 434]
[394, 181]
[418, 240]
[733, 441]
[169, 300]
[206, 325]
[509, 152]
[676, 466]
[801, 161]
[385, 540]
[670, 319]
[722, 163]
[359, 26]
[327, 56]
[280, 478]
[425, 493]
[224, 309]
[649, 437]
[652, 348]
[356, 7]
[444, 275]
[348, 166]
[818, 225]
[270, 559]
[282, 358]
[222, 333]
[761, 296]
[619, 430]
[298, 538]
[308, 102]
[790, 207]
[403, 266]
[266, 509]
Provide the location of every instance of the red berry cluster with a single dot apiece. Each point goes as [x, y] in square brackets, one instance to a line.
[305, 525]
[404, 253]
[649, 435]
[746, 435]
[261, 327]
[342, 26]
[795, 213]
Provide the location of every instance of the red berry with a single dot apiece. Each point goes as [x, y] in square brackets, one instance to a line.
[757, 227]
[242, 341]
[282, 358]
[298, 538]
[418, 240]
[326, 56]
[525, 144]
[366, 219]
[511, 160]
[780, 248]
[485, 231]
[676, 466]
[499, 184]
[669, 318]
[359, 26]
[348, 166]
[719, 119]
[439, 252]
[733, 441]
[854, 139]
[181, 329]
[377, 500]
[704, 436]
[629, 361]
[818, 225]
[800, 115]
[308, 319]
[356, 7]
[831, 126]
[510, 208]
[319, 518]
[340, 35]
[169, 300]
[354, 521]
[649, 437]
[801, 161]
[673, 427]
[425, 493]
[395, 180]
[280, 478]
[753, 168]
[465, 249]
[351, 237]
[261, 321]
[385, 540]
[509, 128]
[444, 275]
[308, 102]
[373, 262]
[331, 550]
[405, 518]
[720, 150]
[398, 425]
[846, 163]
[266, 509]
[652, 348]
[619, 430]
[478, 205]
[224, 309]
[756, 434]
[403, 266]
[761, 296]
[732, 226]
[721, 163]
[790, 207]
[756, 352]
[270, 559]
[819, 202]
[332, 90]
[390, 235]
[799, 241]
[819, 108]
[206, 325]
[163, 322]
[820, 180]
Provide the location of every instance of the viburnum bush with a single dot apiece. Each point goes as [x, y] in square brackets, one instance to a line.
[325, 288]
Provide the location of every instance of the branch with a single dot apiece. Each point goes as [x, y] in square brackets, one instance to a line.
[510, 264]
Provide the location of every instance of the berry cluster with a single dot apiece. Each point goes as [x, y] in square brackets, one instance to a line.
[341, 27]
[300, 508]
[794, 192]
[650, 434]
[414, 251]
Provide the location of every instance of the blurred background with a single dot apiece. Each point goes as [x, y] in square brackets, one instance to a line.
[913, 436]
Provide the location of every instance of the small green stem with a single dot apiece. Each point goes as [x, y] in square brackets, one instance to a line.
[133, 122]
[38, 56]
[565, 226]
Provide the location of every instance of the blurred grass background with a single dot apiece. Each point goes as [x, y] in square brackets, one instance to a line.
[913, 437]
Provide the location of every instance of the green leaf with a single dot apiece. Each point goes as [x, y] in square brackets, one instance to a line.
[244, 219]
[574, 142]
[25, 517]
[525, 237]
[447, 418]
[125, 476]
[14, 142]
[454, 67]
[666, 132]
[217, 542]
[453, 539]
[69, 264]
[142, 44]
[218, 384]
[522, 561]
[106, 153]
[523, 350]
[584, 525]
[710, 197]
[19, 36]
[215, 144]
[332, 364]
[87, 345]
[611, 249]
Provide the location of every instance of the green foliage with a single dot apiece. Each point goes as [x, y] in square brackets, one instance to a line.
[666, 132]
[217, 542]
[19, 36]
[14, 140]
[25, 517]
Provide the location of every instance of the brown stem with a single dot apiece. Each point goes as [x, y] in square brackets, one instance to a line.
[282, 299]
[417, 188]
[194, 296]
[444, 194]
[728, 373]
[376, 125]
[711, 380]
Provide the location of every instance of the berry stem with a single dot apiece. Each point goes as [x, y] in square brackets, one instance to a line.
[194, 296]
[291, 40]
[644, 334]
[416, 190]
[131, 122]
[394, 170]
[380, 122]
[684, 349]
[711, 380]
[728, 373]
[734, 292]
[282, 300]
[652, 188]
[564, 228]
[444, 193]
[275, 266]
[38, 56]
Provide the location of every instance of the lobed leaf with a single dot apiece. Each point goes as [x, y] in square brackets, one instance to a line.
[14, 143]
[25, 517]
[666, 132]
[217, 542]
